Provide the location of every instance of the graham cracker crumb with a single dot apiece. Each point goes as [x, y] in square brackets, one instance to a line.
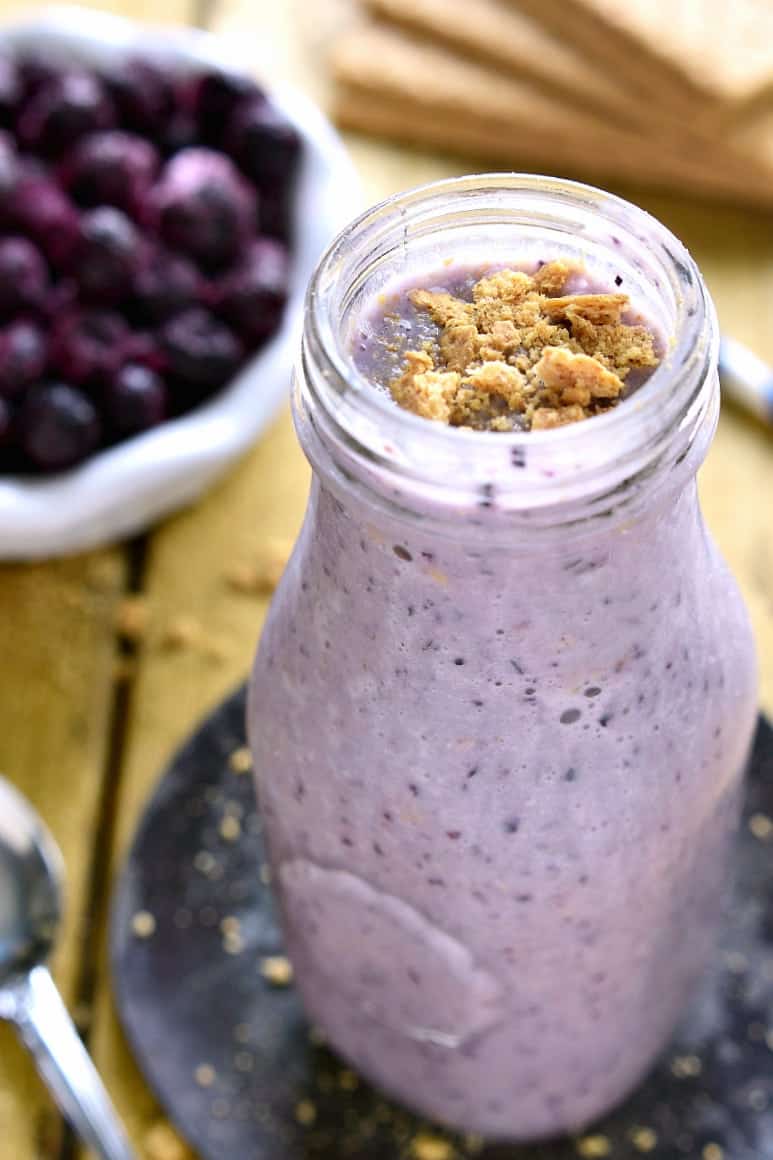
[132, 618]
[230, 828]
[593, 1147]
[521, 356]
[713, 1152]
[277, 969]
[761, 827]
[162, 1143]
[181, 632]
[644, 1139]
[240, 760]
[427, 1147]
[305, 1113]
[259, 577]
[143, 924]
[686, 1066]
[205, 1075]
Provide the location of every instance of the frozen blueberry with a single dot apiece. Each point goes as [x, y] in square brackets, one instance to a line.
[23, 356]
[164, 284]
[61, 112]
[107, 255]
[58, 426]
[135, 400]
[264, 144]
[216, 96]
[252, 297]
[202, 351]
[11, 89]
[42, 211]
[23, 277]
[88, 347]
[204, 206]
[178, 132]
[142, 95]
[36, 74]
[112, 168]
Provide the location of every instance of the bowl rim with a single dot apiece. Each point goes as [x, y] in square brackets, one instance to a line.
[187, 452]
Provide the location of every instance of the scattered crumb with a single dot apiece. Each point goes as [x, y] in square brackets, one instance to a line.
[205, 1075]
[233, 944]
[230, 828]
[517, 357]
[260, 577]
[205, 863]
[230, 924]
[181, 632]
[265, 874]
[240, 760]
[593, 1147]
[348, 1081]
[143, 924]
[761, 827]
[644, 1139]
[305, 1113]
[686, 1066]
[713, 1152]
[131, 618]
[277, 969]
[162, 1143]
[427, 1147]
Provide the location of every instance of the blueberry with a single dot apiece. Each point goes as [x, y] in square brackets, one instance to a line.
[23, 277]
[204, 207]
[264, 144]
[252, 297]
[203, 353]
[88, 347]
[11, 89]
[42, 211]
[58, 426]
[62, 111]
[216, 97]
[135, 400]
[142, 96]
[23, 356]
[107, 255]
[112, 168]
[36, 74]
[6, 423]
[178, 133]
[164, 284]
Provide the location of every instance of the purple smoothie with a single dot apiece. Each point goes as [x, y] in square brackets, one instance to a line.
[499, 779]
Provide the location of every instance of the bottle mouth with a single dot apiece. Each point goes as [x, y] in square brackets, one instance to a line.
[501, 219]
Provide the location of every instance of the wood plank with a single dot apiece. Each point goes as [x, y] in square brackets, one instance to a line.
[186, 582]
[56, 626]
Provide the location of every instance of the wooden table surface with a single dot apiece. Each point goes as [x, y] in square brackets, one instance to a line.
[85, 729]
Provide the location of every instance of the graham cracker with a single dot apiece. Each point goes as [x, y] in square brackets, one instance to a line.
[714, 57]
[500, 35]
[393, 85]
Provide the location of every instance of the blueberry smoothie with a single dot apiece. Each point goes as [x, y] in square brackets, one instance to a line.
[502, 703]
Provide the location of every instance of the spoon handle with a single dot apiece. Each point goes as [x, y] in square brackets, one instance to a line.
[48, 1032]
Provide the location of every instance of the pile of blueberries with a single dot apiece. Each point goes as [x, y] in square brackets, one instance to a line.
[144, 234]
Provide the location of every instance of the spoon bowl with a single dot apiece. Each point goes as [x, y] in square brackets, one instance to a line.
[30, 913]
[30, 894]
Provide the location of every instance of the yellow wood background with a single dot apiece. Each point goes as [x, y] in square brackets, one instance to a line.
[85, 734]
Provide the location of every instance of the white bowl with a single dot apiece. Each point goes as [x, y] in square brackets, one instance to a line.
[125, 488]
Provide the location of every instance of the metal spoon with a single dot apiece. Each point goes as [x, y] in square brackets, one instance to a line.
[30, 910]
[746, 378]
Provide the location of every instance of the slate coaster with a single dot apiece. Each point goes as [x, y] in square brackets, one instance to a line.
[233, 1060]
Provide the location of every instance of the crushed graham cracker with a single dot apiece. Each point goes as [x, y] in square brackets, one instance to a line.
[521, 355]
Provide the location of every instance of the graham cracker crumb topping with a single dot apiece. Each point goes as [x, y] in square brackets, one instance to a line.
[522, 354]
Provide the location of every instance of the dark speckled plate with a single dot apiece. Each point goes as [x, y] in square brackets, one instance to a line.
[230, 1055]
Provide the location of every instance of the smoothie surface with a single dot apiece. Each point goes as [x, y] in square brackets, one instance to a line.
[506, 348]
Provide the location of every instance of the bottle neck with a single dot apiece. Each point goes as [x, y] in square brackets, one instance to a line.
[513, 487]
